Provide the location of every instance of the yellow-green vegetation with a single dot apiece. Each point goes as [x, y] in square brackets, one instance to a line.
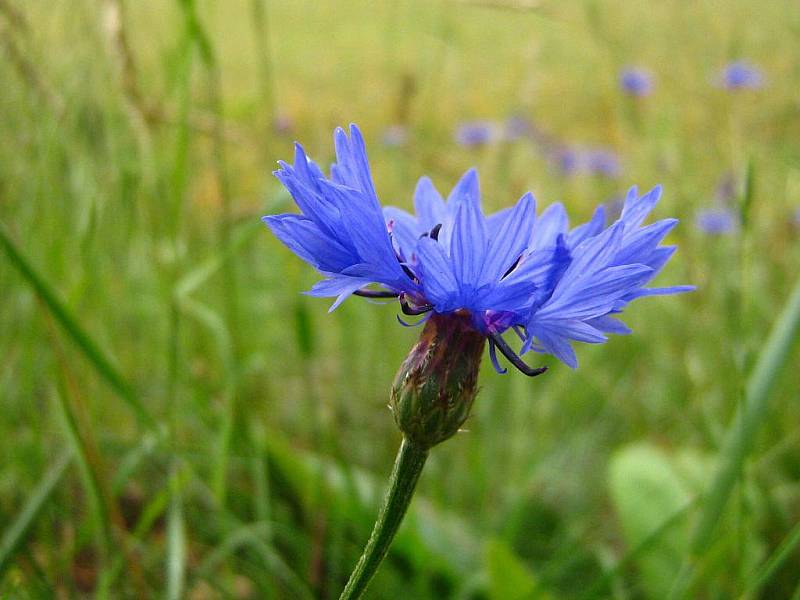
[177, 420]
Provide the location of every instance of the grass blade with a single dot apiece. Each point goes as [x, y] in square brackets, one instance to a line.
[176, 543]
[15, 534]
[775, 561]
[742, 433]
[103, 365]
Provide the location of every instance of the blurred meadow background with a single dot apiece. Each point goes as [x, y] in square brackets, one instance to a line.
[178, 421]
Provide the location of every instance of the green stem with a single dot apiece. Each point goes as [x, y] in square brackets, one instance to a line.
[407, 469]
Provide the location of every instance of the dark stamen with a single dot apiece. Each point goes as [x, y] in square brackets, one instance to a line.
[365, 293]
[433, 233]
[414, 310]
[513, 358]
[512, 267]
[408, 272]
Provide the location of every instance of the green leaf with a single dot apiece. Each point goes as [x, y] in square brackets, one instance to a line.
[742, 432]
[508, 577]
[647, 491]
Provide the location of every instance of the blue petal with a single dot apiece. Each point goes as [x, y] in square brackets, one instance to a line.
[429, 205]
[466, 191]
[468, 246]
[608, 324]
[364, 222]
[636, 209]
[556, 345]
[664, 291]
[589, 257]
[341, 286]
[552, 223]
[588, 230]
[438, 282]
[596, 295]
[637, 246]
[304, 238]
[510, 240]
[404, 231]
[352, 167]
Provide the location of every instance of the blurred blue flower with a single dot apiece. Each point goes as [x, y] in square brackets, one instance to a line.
[395, 136]
[727, 189]
[604, 162]
[282, 124]
[636, 82]
[567, 160]
[796, 217]
[716, 221]
[742, 75]
[517, 127]
[476, 133]
[512, 269]
[573, 160]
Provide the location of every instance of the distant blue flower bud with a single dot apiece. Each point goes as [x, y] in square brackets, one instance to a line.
[395, 136]
[741, 75]
[726, 189]
[476, 133]
[567, 160]
[716, 221]
[517, 127]
[636, 82]
[282, 124]
[603, 162]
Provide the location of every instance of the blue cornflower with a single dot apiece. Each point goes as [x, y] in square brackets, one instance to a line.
[567, 159]
[511, 270]
[517, 127]
[603, 161]
[573, 160]
[472, 134]
[741, 75]
[636, 82]
[719, 220]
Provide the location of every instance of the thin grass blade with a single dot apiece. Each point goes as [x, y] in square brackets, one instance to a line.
[99, 359]
[14, 536]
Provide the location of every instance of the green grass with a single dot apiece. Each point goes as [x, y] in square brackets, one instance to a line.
[231, 439]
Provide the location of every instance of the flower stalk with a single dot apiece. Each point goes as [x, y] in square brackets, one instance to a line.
[402, 483]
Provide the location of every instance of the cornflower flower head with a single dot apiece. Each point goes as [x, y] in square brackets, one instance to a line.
[473, 134]
[465, 271]
[741, 75]
[718, 220]
[636, 82]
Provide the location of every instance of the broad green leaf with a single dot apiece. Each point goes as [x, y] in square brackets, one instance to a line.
[509, 578]
[647, 491]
